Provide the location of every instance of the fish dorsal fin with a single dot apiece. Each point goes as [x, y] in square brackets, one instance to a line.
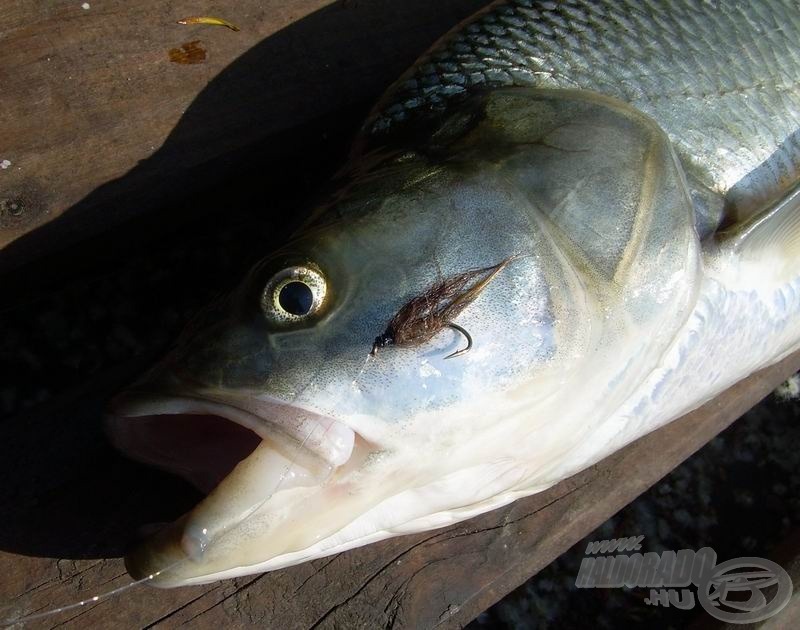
[769, 241]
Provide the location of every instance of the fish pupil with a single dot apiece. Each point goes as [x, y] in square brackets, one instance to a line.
[296, 298]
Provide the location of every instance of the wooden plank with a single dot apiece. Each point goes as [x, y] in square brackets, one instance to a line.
[442, 578]
[98, 124]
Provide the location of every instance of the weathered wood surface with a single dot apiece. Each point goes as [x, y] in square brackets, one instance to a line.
[98, 125]
[70, 503]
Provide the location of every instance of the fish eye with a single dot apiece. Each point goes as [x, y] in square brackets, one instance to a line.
[294, 294]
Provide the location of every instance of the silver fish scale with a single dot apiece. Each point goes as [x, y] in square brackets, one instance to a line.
[721, 78]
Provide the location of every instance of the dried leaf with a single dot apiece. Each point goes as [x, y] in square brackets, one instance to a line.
[188, 53]
[205, 19]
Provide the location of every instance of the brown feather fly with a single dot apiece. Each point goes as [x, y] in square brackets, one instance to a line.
[427, 314]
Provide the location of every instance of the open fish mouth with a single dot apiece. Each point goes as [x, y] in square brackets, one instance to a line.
[202, 439]
[244, 453]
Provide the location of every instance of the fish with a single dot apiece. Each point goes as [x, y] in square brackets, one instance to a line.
[600, 197]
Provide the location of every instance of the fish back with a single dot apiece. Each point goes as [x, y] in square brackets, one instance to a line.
[721, 78]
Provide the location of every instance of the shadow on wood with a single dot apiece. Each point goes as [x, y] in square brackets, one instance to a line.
[92, 95]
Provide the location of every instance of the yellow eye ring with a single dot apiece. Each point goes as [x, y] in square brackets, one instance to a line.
[294, 294]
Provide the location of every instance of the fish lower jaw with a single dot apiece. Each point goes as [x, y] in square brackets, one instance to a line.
[331, 520]
[268, 497]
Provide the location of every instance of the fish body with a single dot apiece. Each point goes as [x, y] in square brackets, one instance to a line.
[720, 78]
[613, 224]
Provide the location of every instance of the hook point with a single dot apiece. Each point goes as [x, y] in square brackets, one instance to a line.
[468, 337]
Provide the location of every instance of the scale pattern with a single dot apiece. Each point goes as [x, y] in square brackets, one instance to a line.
[721, 78]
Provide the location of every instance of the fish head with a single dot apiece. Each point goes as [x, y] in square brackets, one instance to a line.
[319, 404]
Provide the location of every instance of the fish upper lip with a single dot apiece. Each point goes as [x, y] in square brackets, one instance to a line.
[269, 418]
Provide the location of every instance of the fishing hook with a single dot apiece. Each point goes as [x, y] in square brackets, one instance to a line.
[458, 353]
[385, 339]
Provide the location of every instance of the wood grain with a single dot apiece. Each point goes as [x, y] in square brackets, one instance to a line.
[442, 578]
[99, 125]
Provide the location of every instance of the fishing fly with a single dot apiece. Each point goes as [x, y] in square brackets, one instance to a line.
[426, 315]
